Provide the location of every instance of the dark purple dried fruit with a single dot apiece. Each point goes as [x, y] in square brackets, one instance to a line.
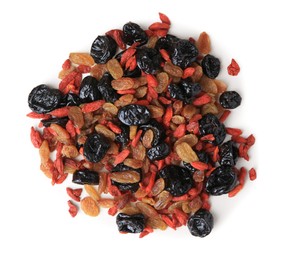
[134, 115]
[130, 223]
[210, 66]
[85, 176]
[201, 223]
[132, 33]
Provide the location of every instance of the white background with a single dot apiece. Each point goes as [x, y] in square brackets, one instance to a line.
[37, 36]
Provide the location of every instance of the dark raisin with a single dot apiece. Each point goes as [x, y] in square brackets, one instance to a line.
[43, 99]
[88, 90]
[191, 89]
[228, 153]
[95, 147]
[158, 131]
[201, 223]
[184, 53]
[133, 187]
[85, 176]
[70, 99]
[124, 136]
[230, 99]
[104, 86]
[134, 115]
[166, 43]
[135, 73]
[130, 223]
[62, 121]
[178, 180]
[103, 49]
[202, 156]
[210, 124]
[176, 92]
[132, 33]
[221, 181]
[148, 60]
[210, 66]
[158, 152]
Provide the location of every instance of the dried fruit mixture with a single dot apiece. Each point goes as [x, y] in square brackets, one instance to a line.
[138, 126]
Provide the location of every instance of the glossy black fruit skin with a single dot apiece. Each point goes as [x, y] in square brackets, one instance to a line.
[210, 66]
[148, 60]
[158, 152]
[209, 124]
[201, 223]
[132, 33]
[176, 92]
[134, 115]
[43, 99]
[133, 187]
[88, 90]
[158, 131]
[221, 181]
[107, 92]
[124, 137]
[178, 180]
[184, 53]
[230, 99]
[130, 223]
[70, 99]
[166, 43]
[95, 147]
[103, 49]
[62, 121]
[228, 153]
[135, 73]
[85, 177]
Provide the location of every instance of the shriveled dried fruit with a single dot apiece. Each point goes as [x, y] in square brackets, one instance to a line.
[186, 153]
[89, 206]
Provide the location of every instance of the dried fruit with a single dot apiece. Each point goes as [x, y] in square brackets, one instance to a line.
[89, 206]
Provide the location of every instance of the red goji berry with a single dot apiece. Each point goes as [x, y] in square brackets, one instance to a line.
[233, 68]
[73, 210]
[35, 138]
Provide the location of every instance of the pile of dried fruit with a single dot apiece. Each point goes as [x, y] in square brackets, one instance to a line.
[142, 118]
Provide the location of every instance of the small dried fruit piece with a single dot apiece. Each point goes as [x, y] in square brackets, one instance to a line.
[125, 176]
[162, 200]
[173, 70]
[233, 68]
[115, 69]
[81, 59]
[89, 206]
[186, 153]
[203, 43]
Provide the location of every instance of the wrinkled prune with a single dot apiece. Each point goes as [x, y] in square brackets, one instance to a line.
[184, 53]
[228, 153]
[176, 92]
[70, 99]
[103, 49]
[85, 177]
[124, 136]
[130, 223]
[133, 187]
[88, 90]
[158, 152]
[158, 131]
[201, 223]
[132, 33]
[148, 60]
[43, 99]
[95, 147]
[134, 115]
[104, 86]
[62, 121]
[230, 99]
[166, 43]
[178, 180]
[210, 66]
[209, 124]
[221, 181]
[202, 156]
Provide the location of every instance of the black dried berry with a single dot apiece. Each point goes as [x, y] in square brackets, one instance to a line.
[70, 99]
[85, 177]
[221, 181]
[88, 90]
[104, 86]
[228, 153]
[43, 99]
[130, 223]
[210, 124]
[178, 180]
[62, 121]
[201, 223]
[124, 136]
[166, 43]
[176, 92]
[210, 66]
[148, 60]
[133, 187]
[134, 115]
[135, 73]
[103, 49]
[230, 99]
[158, 131]
[184, 53]
[158, 152]
[95, 147]
[132, 33]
